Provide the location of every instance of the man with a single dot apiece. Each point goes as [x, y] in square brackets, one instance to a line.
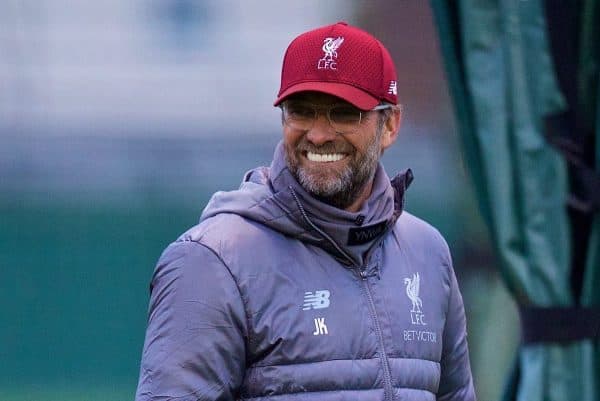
[310, 282]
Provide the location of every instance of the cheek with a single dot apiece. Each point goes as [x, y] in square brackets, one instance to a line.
[360, 146]
[365, 138]
[291, 137]
[290, 144]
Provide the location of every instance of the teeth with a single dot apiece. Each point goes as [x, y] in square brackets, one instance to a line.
[330, 157]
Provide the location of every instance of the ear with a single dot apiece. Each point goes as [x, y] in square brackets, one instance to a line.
[390, 129]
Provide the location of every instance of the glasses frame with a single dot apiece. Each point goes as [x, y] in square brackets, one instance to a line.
[317, 109]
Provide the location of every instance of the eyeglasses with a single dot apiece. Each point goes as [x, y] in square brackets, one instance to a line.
[343, 118]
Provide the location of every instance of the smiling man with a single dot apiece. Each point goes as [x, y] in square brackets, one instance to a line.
[311, 282]
[334, 155]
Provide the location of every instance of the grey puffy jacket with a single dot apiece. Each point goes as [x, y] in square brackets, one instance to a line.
[276, 296]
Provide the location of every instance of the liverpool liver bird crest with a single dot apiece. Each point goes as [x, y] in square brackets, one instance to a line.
[412, 290]
[330, 46]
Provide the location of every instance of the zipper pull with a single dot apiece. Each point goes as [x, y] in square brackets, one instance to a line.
[363, 274]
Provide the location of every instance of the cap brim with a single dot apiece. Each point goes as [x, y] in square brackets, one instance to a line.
[349, 93]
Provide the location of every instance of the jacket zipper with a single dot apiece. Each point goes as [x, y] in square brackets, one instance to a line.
[388, 389]
[317, 229]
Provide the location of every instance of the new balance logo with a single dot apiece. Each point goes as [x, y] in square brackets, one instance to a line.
[318, 300]
[393, 89]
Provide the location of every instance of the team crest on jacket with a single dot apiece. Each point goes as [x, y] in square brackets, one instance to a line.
[330, 46]
[417, 317]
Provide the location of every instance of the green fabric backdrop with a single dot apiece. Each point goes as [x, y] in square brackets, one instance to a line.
[503, 84]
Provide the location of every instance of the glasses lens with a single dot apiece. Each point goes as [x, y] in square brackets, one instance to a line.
[344, 118]
[299, 115]
[344, 115]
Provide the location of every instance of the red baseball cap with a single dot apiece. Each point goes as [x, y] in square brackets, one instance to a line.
[340, 60]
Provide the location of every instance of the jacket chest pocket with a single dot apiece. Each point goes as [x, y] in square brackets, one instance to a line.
[316, 324]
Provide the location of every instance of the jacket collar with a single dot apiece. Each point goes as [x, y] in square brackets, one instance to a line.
[349, 236]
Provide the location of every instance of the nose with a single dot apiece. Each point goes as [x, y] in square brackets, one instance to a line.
[321, 131]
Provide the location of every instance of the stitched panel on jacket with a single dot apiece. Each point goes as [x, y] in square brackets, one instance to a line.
[325, 376]
[413, 395]
[330, 376]
[415, 374]
[340, 395]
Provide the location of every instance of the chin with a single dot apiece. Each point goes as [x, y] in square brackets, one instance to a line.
[322, 183]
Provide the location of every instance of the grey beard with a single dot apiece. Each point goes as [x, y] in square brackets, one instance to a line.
[345, 189]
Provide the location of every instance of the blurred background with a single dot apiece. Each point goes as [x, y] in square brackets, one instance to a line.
[118, 120]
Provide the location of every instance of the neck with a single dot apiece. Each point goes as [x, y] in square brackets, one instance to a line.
[355, 205]
[364, 194]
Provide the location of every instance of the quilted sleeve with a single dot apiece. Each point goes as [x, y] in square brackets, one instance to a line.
[194, 347]
[456, 383]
